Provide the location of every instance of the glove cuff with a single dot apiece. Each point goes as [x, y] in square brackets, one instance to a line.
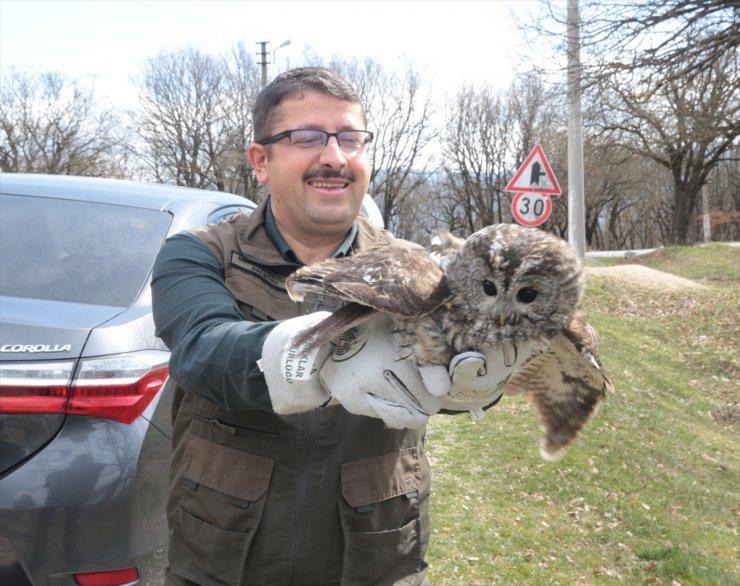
[475, 412]
[290, 372]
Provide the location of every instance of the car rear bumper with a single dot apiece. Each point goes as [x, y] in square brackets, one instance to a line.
[93, 499]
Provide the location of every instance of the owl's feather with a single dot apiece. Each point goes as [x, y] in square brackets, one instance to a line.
[564, 384]
[504, 284]
[404, 282]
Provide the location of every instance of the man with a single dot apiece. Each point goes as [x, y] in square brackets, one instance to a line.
[316, 495]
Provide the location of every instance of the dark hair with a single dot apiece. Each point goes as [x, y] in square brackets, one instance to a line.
[292, 84]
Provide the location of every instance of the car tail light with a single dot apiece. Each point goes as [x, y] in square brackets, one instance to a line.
[111, 578]
[112, 387]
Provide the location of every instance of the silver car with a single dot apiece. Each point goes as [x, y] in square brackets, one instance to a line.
[84, 412]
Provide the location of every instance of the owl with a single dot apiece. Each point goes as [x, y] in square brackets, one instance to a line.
[504, 286]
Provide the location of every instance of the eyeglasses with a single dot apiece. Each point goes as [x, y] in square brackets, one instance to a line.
[352, 142]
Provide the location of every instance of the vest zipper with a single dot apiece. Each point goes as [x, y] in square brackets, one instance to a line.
[232, 428]
[299, 518]
[222, 426]
[319, 302]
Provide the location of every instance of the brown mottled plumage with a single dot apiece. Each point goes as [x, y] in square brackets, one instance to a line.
[504, 284]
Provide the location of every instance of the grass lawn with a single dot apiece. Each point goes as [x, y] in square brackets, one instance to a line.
[650, 493]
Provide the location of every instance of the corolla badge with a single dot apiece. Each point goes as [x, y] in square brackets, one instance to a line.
[35, 347]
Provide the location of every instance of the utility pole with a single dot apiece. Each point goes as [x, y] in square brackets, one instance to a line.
[263, 53]
[576, 197]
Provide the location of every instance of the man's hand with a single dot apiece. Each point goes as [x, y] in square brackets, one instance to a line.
[292, 374]
[367, 374]
[363, 371]
[478, 377]
[370, 375]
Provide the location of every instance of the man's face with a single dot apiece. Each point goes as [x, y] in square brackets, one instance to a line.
[315, 192]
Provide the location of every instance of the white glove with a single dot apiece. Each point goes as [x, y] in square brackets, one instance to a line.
[291, 373]
[368, 376]
[354, 376]
[478, 379]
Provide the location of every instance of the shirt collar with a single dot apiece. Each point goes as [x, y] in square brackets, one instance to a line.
[287, 252]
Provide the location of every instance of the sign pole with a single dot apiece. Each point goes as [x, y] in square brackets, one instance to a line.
[576, 198]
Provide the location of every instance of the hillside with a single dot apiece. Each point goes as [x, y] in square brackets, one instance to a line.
[649, 493]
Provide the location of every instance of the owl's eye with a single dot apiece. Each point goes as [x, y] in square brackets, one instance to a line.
[526, 295]
[489, 288]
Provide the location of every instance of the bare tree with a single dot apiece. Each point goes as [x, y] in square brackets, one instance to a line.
[179, 117]
[671, 39]
[400, 112]
[663, 77]
[477, 152]
[678, 39]
[195, 119]
[627, 195]
[242, 84]
[687, 127]
[488, 137]
[52, 125]
[536, 109]
[724, 195]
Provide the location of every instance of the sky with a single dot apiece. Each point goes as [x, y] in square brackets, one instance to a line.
[450, 42]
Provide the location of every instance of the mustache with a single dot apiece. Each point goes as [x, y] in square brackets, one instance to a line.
[345, 174]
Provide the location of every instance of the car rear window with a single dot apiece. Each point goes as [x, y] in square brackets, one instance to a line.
[78, 251]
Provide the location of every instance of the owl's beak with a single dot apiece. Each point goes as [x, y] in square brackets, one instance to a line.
[502, 319]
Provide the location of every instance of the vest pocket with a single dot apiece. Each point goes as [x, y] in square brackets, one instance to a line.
[206, 554]
[384, 515]
[221, 499]
[383, 558]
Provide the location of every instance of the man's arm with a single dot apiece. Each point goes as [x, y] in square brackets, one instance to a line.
[214, 349]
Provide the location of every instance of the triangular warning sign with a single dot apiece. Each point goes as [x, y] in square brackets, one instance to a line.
[535, 175]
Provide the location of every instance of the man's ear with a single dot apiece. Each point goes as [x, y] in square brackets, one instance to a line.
[258, 158]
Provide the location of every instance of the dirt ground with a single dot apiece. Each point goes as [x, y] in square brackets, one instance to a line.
[646, 277]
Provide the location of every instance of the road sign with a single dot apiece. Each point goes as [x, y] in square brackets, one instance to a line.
[535, 175]
[531, 209]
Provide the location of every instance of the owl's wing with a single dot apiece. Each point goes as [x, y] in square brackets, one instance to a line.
[444, 247]
[403, 282]
[565, 383]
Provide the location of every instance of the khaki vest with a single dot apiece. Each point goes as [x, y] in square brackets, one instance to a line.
[314, 499]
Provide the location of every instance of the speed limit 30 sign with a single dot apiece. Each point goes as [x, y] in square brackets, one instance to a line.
[531, 209]
[534, 183]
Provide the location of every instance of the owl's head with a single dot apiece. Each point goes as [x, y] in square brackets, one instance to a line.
[510, 283]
